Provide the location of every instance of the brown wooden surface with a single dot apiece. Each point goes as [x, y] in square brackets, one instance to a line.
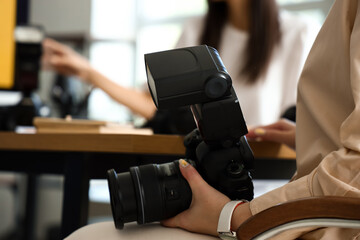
[307, 208]
[69, 125]
[121, 143]
[117, 143]
[272, 150]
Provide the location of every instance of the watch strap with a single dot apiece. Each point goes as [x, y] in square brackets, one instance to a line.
[224, 224]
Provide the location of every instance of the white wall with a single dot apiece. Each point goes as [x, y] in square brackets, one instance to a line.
[61, 16]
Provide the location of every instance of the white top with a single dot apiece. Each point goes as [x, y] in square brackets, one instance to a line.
[265, 101]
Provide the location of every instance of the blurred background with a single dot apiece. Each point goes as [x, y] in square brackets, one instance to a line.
[114, 35]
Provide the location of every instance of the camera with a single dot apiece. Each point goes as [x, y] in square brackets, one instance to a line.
[217, 148]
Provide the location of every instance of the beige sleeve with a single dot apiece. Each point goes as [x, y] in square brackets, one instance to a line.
[338, 172]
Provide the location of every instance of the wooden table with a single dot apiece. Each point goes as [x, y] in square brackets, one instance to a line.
[81, 157]
[121, 143]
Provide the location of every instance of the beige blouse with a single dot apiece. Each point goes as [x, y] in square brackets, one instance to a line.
[328, 121]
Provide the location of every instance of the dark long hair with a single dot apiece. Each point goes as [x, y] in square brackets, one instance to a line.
[264, 34]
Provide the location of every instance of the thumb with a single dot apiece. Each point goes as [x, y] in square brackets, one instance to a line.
[193, 178]
[191, 175]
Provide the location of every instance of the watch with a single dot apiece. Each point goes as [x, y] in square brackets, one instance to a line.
[224, 224]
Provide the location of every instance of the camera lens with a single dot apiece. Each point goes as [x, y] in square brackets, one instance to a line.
[148, 193]
[122, 198]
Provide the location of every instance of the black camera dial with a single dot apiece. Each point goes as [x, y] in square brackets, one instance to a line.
[234, 169]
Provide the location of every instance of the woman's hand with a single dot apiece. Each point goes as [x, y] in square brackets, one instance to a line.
[203, 214]
[64, 60]
[282, 131]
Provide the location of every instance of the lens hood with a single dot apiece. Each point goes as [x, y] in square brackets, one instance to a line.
[116, 206]
[122, 198]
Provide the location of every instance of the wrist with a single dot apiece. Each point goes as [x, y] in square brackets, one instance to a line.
[240, 215]
[226, 221]
[87, 74]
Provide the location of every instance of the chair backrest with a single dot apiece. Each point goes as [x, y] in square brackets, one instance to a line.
[329, 211]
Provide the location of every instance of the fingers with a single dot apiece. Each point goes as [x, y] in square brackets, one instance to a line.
[282, 125]
[203, 214]
[54, 46]
[255, 133]
[282, 131]
[261, 134]
[197, 185]
[58, 64]
[52, 51]
[191, 175]
[271, 135]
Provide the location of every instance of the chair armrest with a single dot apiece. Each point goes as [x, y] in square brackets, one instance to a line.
[329, 211]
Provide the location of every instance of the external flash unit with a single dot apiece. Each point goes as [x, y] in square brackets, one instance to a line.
[206, 76]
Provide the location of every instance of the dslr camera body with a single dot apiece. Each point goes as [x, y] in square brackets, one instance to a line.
[217, 148]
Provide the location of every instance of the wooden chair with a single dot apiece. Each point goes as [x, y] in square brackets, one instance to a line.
[328, 211]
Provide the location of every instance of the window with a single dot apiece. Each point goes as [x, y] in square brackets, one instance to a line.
[311, 9]
[121, 33]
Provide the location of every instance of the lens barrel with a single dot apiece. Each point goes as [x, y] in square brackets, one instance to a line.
[148, 193]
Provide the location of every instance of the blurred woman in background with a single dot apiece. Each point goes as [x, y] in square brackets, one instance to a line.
[263, 51]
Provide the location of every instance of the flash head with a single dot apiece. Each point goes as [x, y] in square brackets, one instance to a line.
[186, 76]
